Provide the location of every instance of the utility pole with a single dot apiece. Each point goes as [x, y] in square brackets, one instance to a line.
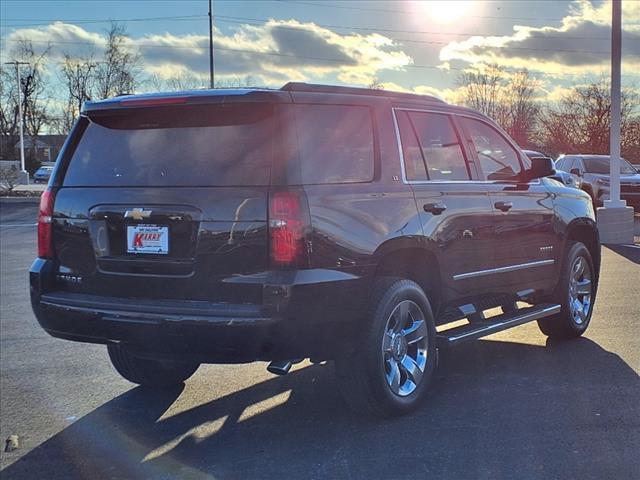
[615, 219]
[23, 170]
[211, 72]
[614, 134]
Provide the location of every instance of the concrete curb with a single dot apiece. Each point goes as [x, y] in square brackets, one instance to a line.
[10, 200]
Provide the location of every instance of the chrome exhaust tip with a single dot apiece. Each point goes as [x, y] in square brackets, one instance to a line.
[280, 368]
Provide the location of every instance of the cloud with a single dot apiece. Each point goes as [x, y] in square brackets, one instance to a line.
[450, 95]
[277, 51]
[580, 45]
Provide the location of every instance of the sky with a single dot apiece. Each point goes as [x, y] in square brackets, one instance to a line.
[419, 46]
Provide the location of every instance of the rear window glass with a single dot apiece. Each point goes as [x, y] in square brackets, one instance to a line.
[176, 146]
[336, 143]
[441, 150]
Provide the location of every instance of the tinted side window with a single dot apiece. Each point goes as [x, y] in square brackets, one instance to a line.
[336, 143]
[414, 166]
[498, 159]
[441, 150]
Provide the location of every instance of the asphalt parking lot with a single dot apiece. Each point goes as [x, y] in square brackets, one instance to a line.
[511, 406]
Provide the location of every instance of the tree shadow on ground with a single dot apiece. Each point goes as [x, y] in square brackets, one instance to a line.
[499, 410]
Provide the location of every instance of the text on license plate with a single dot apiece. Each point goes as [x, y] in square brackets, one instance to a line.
[147, 239]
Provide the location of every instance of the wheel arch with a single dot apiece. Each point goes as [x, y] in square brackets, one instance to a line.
[585, 230]
[408, 258]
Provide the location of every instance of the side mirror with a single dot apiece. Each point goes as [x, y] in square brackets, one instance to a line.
[575, 171]
[540, 167]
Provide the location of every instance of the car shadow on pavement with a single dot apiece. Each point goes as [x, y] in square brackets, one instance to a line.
[630, 253]
[498, 410]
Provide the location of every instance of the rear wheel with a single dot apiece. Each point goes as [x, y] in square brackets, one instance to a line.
[575, 293]
[150, 372]
[389, 370]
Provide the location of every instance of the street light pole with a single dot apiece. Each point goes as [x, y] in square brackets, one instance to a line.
[614, 136]
[615, 219]
[211, 71]
[20, 120]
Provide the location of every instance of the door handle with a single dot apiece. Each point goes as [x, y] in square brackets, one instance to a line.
[435, 208]
[504, 206]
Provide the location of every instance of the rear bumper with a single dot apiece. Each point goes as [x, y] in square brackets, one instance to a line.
[300, 318]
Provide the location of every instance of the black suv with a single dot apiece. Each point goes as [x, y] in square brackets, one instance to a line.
[318, 222]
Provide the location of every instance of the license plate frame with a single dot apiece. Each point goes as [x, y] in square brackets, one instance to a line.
[148, 238]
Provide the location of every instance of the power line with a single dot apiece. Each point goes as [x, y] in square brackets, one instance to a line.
[90, 21]
[262, 21]
[242, 20]
[287, 55]
[404, 12]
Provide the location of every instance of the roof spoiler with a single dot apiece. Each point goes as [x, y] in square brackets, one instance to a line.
[315, 88]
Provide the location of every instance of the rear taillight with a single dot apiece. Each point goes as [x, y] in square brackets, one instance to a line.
[288, 226]
[45, 246]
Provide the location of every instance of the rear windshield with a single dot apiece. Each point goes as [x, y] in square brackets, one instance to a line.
[197, 145]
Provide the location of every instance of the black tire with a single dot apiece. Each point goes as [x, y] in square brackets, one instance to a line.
[569, 324]
[150, 372]
[363, 372]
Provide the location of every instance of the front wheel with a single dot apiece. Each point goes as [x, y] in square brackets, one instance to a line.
[389, 370]
[575, 293]
[150, 372]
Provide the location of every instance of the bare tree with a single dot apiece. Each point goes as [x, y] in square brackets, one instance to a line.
[9, 177]
[185, 81]
[78, 76]
[481, 90]
[631, 139]
[120, 71]
[580, 121]
[517, 110]
[375, 84]
[34, 103]
[509, 99]
[236, 82]
[8, 113]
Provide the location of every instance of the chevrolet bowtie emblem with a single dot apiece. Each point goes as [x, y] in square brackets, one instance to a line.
[137, 213]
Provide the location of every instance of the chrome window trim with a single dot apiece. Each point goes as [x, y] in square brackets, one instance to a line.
[439, 181]
[510, 268]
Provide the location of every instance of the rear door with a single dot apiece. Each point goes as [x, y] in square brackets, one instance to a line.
[455, 210]
[167, 202]
[525, 240]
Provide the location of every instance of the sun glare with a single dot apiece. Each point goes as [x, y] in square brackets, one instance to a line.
[446, 11]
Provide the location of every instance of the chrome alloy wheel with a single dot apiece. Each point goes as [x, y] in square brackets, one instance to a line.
[404, 348]
[580, 290]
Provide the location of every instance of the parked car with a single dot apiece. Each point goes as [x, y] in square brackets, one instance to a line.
[319, 222]
[594, 171]
[561, 176]
[42, 174]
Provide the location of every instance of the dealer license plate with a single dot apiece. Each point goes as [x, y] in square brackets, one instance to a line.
[148, 239]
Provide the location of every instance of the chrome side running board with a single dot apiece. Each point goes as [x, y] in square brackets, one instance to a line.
[475, 330]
